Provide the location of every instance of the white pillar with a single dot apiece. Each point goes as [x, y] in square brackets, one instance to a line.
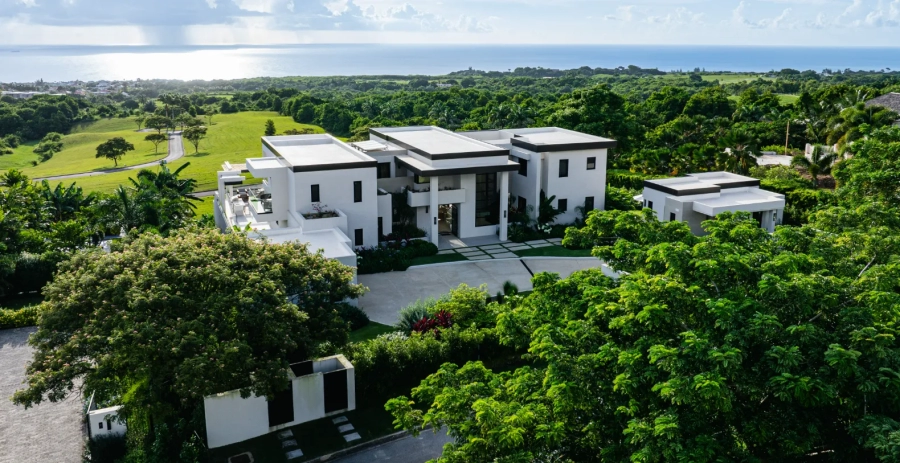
[433, 212]
[538, 181]
[504, 203]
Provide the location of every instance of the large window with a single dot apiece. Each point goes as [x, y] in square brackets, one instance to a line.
[562, 205]
[357, 192]
[487, 200]
[314, 193]
[563, 167]
[384, 170]
[523, 167]
[358, 237]
[591, 163]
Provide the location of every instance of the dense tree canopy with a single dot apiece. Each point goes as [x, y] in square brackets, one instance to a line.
[167, 321]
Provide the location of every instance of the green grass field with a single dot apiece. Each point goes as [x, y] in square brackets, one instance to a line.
[787, 99]
[554, 251]
[80, 149]
[232, 137]
[204, 206]
[733, 78]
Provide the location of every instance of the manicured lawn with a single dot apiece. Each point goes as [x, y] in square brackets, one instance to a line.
[232, 137]
[787, 99]
[437, 259]
[733, 78]
[80, 149]
[204, 206]
[553, 251]
[370, 331]
[315, 438]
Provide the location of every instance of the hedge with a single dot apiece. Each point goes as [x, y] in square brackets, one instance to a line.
[395, 256]
[20, 318]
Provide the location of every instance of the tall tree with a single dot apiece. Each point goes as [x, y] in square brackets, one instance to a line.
[64, 203]
[168, 321]
[158, 123]
[139, 120]
[270, 128]
[156, 139]
[114, 149]
[194, 135]
[743, 149]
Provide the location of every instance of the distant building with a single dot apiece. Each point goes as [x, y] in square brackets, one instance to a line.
[888, 100]
[27, 95]
[696, 198]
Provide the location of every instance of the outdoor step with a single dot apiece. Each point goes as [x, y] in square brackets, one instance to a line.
[294, 454]
[505, 255]
[340, 419]
[490, 248]
[345, 428]
[446, 251]
[285, 434]
[481, 257]
[352, 437]
[288, 443]
[518, 248]
[532, 243]
[542, 245]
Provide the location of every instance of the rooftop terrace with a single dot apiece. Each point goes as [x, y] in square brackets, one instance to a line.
[316, 152]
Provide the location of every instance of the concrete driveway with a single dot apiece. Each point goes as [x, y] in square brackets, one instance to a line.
[392, 291]
[49, 432]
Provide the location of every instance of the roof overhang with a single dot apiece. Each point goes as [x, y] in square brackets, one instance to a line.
[422, 169]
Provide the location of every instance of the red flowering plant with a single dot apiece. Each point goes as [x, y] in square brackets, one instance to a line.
[441, 319]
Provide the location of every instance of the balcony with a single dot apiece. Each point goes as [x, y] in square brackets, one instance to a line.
[316, 221]
[445, 196]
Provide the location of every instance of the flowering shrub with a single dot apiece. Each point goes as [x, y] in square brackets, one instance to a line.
[434, 323]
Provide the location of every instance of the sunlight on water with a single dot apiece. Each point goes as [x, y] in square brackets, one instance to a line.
[201, 64]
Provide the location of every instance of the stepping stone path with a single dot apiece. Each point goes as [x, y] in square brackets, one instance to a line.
[344, 427]
[503, 250]
[288, 441]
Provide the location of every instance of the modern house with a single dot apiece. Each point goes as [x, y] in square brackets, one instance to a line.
[338, 196]
[104, 421]
[698, 197]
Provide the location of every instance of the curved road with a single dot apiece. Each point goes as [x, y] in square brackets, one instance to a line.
[176, 152]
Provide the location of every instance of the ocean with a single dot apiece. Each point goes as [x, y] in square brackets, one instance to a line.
[65, 63]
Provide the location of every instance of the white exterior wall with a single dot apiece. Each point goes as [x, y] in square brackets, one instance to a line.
[107, 417]
[230, 418]
[528, 187]
[336, 192]
[658, 198]
[580, 183]
[386, 213]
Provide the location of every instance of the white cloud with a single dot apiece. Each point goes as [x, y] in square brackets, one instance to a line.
[680, 17]
[738, 16]
[212, 3]
[27, 3]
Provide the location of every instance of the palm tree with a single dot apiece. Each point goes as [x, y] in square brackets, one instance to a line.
[63, 203]
[847, 126]
[444, 116]
[743, 149]
[167, 182]
[122, 210]
[820, 162]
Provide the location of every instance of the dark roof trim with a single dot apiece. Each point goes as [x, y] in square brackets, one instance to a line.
[542, 148]
[670, 191]
[457, 170]
[726, 186]
[321, 167]
[437, 157]
[234, 182]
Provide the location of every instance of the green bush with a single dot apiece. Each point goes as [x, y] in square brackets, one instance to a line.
[393, 256]
[416, 311]
[353, 315]
[621, 199]
[20, 318]
[107, 449]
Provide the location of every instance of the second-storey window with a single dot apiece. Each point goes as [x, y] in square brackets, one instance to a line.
[523, 167]
[384, 170]
[357, 192]
[420, 180]
[563, 167]
[591, 163]
[314, 193]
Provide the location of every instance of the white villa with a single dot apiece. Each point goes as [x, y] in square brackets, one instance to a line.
[699, 197]
[337, 196]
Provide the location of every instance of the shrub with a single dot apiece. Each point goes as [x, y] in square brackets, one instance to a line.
[434, 323]
[393, 256]
[353, 315]
[107, 449]
[26, 316]
[414, 312]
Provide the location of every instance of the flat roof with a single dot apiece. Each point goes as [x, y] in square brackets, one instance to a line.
[332, 242]
[426, 170]
[436, 143]
[307, 153]
[700, 183]
[543, 139]
[747, 201]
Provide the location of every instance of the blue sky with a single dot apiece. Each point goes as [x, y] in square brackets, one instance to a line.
[229, 22]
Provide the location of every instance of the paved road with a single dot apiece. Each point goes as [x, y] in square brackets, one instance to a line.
[49, 432]
[392, 291]
[176, 152]
[406, 450]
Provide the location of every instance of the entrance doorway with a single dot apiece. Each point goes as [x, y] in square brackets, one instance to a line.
[448, 219]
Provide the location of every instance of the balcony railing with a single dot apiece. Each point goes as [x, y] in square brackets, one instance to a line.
[313, 221]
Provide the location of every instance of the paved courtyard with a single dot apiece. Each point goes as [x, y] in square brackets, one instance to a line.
[392, 291]
[46, 433]
[494, 249]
